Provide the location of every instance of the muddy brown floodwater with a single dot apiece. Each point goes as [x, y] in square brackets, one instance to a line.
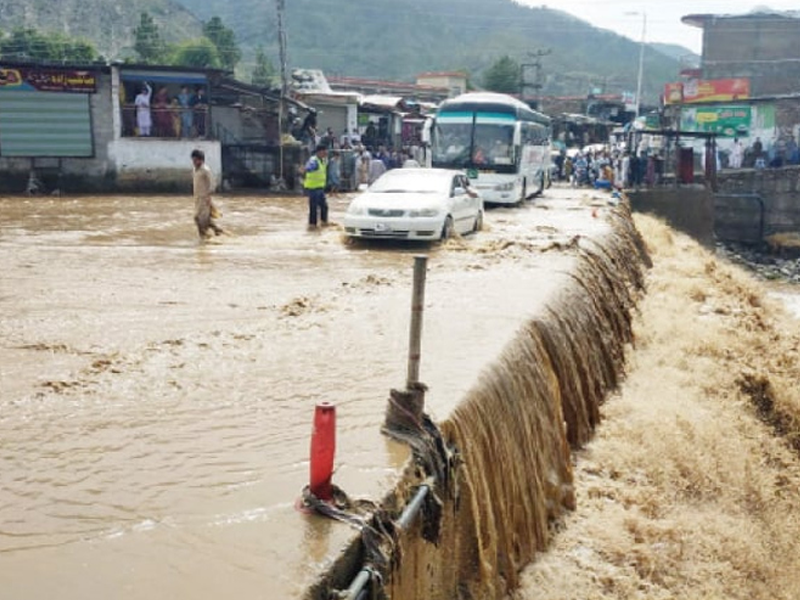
[156, 394]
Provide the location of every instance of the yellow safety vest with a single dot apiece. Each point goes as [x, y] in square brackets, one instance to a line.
[317, 180]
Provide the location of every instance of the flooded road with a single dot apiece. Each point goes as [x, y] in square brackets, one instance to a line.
[156, 394]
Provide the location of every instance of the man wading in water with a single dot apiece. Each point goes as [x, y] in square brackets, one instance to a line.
[204, 210]
[316, 180]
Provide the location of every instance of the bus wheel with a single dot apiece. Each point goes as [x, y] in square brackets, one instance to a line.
[540, 191]
[447, 230]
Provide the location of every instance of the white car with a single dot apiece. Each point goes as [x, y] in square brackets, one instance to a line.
[416, 204]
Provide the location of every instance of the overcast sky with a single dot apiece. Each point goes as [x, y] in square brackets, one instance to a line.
[663, 16]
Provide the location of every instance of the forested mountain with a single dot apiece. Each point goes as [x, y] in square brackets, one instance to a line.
[393, 39]
[684, 55]
[107, 23]
[400, 38]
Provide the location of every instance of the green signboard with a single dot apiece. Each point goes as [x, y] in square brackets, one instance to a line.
[725, 121]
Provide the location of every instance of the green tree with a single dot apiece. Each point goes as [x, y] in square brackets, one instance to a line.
[264, 73]
[75, 49]
[33, 44]
[27, 43]
[148, 43]
[225, 41]
[200, 53]
[503, 76]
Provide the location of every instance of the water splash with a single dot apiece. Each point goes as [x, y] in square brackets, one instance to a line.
[516, 428]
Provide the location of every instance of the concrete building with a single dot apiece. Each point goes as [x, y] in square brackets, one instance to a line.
[74, 128]
[453, 81]
[418, 92]
[748, 84]
[763, 47]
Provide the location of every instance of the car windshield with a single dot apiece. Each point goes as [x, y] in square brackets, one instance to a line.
[407, 181]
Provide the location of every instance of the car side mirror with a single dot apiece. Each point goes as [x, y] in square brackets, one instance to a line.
[459, 191]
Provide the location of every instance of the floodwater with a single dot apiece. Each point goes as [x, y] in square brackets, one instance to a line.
[685, 492]
[789, 296]
[156, 394]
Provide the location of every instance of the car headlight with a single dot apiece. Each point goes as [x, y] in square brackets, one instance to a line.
[356, 210]
[504, 187]
[424, 212]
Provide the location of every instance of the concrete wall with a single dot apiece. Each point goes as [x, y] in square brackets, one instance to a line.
[153, 164]
[689, 209]
[738, 218]
[734, 214]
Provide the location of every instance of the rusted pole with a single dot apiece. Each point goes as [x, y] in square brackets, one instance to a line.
[417, 310]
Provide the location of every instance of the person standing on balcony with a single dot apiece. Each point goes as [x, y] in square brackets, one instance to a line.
[144, 120]
[187, 114]
[200, 105]
[161, 115]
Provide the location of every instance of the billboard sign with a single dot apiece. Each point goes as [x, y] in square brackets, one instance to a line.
[35, 79]
[724, 121]
[698, 91]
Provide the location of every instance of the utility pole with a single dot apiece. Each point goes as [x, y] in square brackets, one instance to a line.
[640, 79]
[537, 84]
[282, 43]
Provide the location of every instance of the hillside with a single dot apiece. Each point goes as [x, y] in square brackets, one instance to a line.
[386, 38]
[109, 24]
[679, 53]
[374, 38]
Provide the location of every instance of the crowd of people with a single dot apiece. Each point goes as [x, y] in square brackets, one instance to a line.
[181, 115]
[353, 162]
[783, 151]
[620, 167]
[609, 168]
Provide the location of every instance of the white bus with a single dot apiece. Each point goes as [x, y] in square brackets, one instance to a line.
[501, 143]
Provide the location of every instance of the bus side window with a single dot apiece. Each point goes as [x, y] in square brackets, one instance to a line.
[527, 133]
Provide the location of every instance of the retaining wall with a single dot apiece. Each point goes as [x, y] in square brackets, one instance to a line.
[513, 437]
[689, 209]
[737, 219]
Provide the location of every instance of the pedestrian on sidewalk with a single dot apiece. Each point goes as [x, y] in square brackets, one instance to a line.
[316, 180]
[205, 212]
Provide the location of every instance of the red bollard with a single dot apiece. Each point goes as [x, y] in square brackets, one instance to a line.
[323, 449]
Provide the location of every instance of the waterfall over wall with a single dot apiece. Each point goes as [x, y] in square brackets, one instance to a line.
[515, 430]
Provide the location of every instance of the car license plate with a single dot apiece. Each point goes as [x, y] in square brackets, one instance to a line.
[382, 228]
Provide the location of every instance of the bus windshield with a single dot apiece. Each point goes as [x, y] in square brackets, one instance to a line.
[463, 144]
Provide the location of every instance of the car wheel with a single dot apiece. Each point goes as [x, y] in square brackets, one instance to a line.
[478, 222]
[448, 229]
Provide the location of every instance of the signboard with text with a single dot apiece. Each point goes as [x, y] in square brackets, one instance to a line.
[725, 121]
[35, 79]
[697, 91]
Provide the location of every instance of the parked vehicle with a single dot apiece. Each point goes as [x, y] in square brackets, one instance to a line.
[416, 204]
